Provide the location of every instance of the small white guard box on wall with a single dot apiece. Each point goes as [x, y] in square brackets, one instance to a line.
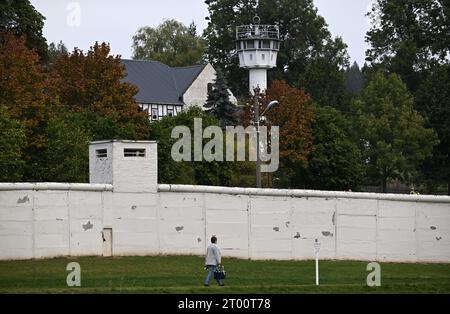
[130, 166]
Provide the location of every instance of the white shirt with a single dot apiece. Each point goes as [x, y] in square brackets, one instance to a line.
[213, 256]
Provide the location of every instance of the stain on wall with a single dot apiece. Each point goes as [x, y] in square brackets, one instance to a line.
[88, 226]
[24, 199]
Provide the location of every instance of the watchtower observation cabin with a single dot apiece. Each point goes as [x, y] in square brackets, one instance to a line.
[257, 46]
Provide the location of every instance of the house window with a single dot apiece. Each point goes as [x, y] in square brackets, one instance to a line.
[134, 152]
[154, 113]
[210, 88]
[170, 112]
[101, 153]
[145, 107]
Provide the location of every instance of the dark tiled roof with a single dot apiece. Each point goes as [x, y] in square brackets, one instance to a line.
[159, 83]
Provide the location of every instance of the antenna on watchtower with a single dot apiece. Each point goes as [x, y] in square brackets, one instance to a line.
[256, 8]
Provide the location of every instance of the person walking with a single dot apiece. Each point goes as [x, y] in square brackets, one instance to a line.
[212, 261]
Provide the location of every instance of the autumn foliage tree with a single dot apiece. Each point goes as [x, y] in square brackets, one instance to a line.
[22, 81]
[23, 85]
[81, 99]
[91, 84]
[293, 115]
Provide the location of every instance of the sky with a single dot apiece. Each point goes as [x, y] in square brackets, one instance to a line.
[79, 23]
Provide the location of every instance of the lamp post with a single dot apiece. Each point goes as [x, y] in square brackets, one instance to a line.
[258, 162]
[272, 104]
[316, 250]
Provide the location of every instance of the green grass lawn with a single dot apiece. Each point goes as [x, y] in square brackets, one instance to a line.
[185, 274]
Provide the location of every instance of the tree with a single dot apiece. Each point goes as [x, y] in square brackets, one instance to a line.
[293, 115]
[392, 133]
[354, 80]
[171, 42]
[91, 83]
[56, 50]
[23, 87]
[218, 103]
[82, 99]
[23, 81]
[309, 57]
[335, 161]
[324, 76]
[189, 172]
[434, 99]
[12, 142]
[409, 37]
[65, 157]
[21, 18]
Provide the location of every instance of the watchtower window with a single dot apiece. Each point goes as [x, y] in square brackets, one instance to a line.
[266, 44]
[250, 44]
[134, 152]
[101, 153]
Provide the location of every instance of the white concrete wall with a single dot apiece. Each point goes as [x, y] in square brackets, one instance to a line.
[47, 220]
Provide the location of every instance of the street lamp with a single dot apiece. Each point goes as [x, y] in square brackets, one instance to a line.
[271, 104]
[258, 119]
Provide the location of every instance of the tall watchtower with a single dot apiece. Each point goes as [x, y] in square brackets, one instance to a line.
[257, 46]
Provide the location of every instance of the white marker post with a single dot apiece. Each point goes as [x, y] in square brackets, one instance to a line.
[317, 249]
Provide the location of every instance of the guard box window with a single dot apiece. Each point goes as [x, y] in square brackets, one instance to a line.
[134, 152]
[101, 153]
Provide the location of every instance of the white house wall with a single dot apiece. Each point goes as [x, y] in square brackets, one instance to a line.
[38, 220]
[197, 93]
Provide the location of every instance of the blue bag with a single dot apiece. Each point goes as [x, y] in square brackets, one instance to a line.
[220, 273]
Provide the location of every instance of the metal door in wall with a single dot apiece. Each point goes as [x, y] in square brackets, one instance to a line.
[107, 241]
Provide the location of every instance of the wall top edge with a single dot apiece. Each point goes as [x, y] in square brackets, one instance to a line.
[231, 191]
[120, 141]
[55, 186]
[301, 193]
